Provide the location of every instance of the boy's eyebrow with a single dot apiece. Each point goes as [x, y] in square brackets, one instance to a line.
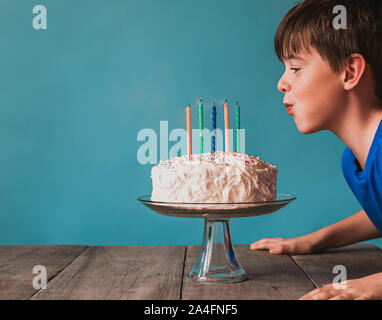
[293, 57]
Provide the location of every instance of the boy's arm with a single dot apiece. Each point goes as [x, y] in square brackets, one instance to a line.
[356, 228]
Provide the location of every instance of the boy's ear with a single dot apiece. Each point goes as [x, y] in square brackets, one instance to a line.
[353, 71]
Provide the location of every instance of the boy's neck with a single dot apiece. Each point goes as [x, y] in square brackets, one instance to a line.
[357, 128]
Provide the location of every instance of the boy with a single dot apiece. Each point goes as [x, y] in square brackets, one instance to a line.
[333, 81]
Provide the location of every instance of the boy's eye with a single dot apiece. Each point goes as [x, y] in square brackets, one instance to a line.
[295, 69]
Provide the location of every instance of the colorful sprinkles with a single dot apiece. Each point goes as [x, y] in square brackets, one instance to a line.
[217, 158]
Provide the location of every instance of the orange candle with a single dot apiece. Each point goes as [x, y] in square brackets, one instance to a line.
[188, 109]
[226, 126]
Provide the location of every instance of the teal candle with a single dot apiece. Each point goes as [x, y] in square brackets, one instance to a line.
[201, 125]
[237, 127]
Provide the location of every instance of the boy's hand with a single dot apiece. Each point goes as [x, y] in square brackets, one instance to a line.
[298, 245]
[367, 288]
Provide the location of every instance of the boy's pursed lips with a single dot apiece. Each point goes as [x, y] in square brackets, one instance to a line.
[289, 107]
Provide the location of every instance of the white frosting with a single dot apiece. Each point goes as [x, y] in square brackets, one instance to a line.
[214, 178]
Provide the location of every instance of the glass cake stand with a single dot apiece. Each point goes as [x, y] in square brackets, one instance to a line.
[216, 261]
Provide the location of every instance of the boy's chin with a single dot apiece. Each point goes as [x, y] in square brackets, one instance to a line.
[306, 128]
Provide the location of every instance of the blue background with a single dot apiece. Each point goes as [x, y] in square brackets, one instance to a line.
[74, 97]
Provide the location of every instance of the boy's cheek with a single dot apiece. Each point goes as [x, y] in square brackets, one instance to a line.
[307, 116]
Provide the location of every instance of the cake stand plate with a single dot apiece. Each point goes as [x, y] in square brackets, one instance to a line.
[216, 261]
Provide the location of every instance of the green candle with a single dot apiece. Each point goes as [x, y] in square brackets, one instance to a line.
[201, 126]
[237, 127]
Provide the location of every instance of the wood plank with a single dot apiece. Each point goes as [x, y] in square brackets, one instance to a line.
[359, 260]
[17, 262]
[116, 272]
[270, 277]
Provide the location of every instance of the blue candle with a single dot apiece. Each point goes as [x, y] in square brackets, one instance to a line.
[213, 127]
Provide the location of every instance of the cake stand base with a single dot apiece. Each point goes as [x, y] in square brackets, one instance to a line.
[216, 261]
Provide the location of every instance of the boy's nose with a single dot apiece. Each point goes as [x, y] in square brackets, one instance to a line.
[282, 85]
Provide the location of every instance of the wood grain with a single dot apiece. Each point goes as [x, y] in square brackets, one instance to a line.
[113, 272]
[17, 262]
[160, 272]
[270, 277]
[359, 260]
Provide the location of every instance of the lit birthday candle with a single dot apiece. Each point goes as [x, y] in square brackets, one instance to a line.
[201, 126]
[188, 111]
[226, 120]
[213, 127]
[237, 127]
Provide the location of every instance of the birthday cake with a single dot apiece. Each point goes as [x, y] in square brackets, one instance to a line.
[217, 177]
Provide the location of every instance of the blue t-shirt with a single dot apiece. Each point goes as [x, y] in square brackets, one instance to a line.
[367, 184]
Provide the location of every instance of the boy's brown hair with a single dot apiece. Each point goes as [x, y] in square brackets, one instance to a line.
[310, 23]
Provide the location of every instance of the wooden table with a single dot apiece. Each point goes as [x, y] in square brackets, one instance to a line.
[159, 272]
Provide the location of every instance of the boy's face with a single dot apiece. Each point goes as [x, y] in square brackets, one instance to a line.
[313, 92]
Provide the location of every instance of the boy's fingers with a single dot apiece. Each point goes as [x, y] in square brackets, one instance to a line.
[341, 296]
[323, 293]
[310, 294]
[257, 243]
[257, 246]
[273, 249]
[276, 250]
[265, 243]
[260, 241]
[261, 246]
[267, 240]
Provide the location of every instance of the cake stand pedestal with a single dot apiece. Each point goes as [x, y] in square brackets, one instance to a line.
[216, 261]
